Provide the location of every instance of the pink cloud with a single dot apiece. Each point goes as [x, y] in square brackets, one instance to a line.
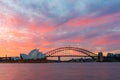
[107, 40]
[84, 22]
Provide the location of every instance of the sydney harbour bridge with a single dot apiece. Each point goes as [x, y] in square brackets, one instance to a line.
[75, 53]
[70, 52]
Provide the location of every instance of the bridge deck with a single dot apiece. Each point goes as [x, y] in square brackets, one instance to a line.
[70, 56]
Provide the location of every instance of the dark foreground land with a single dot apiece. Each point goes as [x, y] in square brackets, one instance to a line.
[105, 59]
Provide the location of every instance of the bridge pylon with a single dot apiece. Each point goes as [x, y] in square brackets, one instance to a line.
[59, 59]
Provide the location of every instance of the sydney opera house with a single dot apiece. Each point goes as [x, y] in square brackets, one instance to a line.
[34, 54]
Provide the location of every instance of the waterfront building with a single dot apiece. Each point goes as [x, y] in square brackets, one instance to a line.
[34, 54]
[113, 55]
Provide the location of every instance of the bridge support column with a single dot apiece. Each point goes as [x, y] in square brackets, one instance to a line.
[100, 57]
[59, 59]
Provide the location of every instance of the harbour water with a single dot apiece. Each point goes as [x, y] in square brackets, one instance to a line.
[60, 71]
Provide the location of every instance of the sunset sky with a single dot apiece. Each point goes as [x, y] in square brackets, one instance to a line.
[47, 24]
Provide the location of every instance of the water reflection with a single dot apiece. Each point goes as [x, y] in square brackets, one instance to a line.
[60, 71]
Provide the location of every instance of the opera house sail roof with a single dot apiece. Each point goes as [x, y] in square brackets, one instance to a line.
[34, 54]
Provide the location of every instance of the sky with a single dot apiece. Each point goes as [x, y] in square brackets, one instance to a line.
[93, 25]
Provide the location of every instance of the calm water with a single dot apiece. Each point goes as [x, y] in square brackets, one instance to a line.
[60, 71]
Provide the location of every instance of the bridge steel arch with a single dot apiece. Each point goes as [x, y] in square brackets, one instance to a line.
[84, 51]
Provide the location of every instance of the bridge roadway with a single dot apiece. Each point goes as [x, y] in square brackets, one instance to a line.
[59, 57]
[70, 56]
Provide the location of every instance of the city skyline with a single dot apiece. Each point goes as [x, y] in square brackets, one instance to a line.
[48, 24]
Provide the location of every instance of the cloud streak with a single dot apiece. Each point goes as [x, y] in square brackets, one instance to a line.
[46, 24]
